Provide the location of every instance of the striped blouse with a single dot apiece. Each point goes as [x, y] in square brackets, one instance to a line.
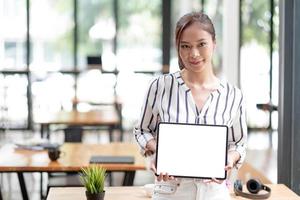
[170, 100]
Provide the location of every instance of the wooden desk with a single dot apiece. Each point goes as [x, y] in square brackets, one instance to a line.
[106, 117]
[279, 192]
[76, 155]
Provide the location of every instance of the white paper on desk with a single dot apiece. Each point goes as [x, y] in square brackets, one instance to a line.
[192, 150]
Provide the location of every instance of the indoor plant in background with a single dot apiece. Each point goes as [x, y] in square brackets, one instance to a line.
[93, 178]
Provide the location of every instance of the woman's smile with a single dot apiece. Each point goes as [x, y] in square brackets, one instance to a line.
[196, 62]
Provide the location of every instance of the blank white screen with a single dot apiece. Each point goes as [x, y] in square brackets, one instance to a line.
[192, 150]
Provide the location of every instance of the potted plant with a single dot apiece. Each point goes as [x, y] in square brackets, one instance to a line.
[93, 178]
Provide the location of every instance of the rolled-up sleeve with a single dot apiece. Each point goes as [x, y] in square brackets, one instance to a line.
[145, 129]
[238, 130]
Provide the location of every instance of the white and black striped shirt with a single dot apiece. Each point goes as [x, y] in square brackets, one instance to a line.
[170, 100]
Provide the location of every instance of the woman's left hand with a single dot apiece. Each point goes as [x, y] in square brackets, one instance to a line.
[232, 158]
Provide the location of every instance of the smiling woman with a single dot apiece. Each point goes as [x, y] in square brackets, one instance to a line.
[193, 95]
[197, 30]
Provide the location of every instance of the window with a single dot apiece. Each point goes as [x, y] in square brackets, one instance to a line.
[257, 50]
[13, 35]
[51, 32]
[52, 47]
[139, 36]
[96, 31]
[13, 101]
[13, 86]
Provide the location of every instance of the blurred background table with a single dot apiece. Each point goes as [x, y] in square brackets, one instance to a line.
[109, 118]
[75, 156]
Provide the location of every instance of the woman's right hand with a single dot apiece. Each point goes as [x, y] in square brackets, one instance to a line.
[165, 177]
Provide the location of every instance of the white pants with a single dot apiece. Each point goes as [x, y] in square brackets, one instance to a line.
[190, 189]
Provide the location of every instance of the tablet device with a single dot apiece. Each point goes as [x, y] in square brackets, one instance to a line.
[112, 159]
[192, 150]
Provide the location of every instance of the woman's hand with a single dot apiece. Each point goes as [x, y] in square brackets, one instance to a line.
[165, 177]
[161, 176]
[232, 159]
[150, 147]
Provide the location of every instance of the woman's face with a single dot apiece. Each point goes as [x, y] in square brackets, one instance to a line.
[196, 48]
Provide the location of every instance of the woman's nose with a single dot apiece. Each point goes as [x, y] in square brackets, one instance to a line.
[194, 53]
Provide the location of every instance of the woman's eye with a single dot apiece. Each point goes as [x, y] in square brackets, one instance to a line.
[184, 46]
[202, 44]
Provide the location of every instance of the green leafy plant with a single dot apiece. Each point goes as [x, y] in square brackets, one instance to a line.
[93, 178]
